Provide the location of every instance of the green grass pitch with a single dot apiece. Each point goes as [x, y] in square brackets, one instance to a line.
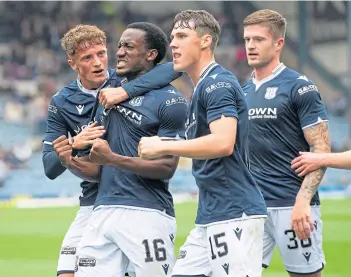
[30, 239]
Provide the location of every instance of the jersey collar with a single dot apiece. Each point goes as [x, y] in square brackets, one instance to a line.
[279, 69]
[93, 92]
[206, 71]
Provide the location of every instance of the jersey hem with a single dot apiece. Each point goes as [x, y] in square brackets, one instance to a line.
[130, 203]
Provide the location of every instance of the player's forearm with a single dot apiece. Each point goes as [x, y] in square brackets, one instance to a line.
[337, 160]
[318, 138]
[207, 147]
[84, 169]
[52, 165]
[310, 184]
[158, 77]
[159, 169]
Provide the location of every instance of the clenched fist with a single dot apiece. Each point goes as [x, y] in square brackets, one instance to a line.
[112, 96]
[63, 149]
[101, 152]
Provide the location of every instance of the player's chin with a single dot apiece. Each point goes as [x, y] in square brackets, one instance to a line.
[178, 66]
[122, 71]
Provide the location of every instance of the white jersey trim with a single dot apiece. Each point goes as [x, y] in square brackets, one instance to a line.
[317, 122]
[279, 69]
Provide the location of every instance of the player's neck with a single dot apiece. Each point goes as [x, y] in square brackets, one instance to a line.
[264, 72]
[195, 71]
[133, 75]
[89, 86]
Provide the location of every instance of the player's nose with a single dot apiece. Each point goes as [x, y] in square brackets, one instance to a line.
[173, 44]
[120, 52]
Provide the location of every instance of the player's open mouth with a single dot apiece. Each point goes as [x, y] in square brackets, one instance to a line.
[98, 72]
[176, 55]
[121, 63]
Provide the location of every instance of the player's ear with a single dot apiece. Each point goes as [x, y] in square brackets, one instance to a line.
[72, 64]
[206, 41]
[279, 44]
[151, 55]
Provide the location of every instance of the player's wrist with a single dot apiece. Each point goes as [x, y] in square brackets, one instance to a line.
[303, 197]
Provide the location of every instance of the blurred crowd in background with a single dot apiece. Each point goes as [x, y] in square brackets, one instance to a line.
[33, 67]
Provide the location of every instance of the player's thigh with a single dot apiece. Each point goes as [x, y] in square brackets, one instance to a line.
[236, 248]
[98, 255]
[268, 241]
[147, 239]
[193, 255]
[69, 248]
[300, 257]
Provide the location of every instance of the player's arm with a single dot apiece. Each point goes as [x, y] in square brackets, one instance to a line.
[159, 169]
[172, 121]
[308, 162]
[158, 77]
[221, 112]
[318, 138]
[56, 127]
[313, 118]
[83, 168]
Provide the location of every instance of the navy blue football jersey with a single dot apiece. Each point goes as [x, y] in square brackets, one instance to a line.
[226, 188]
[159, 112]
[280, 107]
[71, 109]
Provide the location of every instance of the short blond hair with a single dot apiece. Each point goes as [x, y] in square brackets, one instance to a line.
[272, 19]
[81, 37]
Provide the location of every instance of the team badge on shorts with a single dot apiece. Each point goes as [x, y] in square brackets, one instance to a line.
[270, 92]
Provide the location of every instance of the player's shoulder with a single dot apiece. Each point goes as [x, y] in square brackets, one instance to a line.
[298, 83]
[294, 78]
[166, 92]
[168, 96]
[218, 78]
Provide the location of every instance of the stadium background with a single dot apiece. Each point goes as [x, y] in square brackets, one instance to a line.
[33, 68]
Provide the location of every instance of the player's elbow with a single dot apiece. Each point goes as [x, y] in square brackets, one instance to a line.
[50, 173]
[169, 172]
[226, 149]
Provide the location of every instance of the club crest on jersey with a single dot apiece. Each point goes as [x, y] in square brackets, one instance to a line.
[80, 108]
[270, 92]
[136, 101]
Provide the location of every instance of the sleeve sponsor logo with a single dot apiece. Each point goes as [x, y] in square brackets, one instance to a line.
[52, 109]
[217, 86]
[306, 89]
[175, 100]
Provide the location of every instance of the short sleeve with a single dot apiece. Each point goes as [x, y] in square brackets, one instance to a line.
[308, 103]
[219, 97]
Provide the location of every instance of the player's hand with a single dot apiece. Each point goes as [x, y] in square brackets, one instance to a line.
[301, 219]
[87, 135]
[112, 96]
[150, 148]
[307, 162]
[100, 152]
[63, 149]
